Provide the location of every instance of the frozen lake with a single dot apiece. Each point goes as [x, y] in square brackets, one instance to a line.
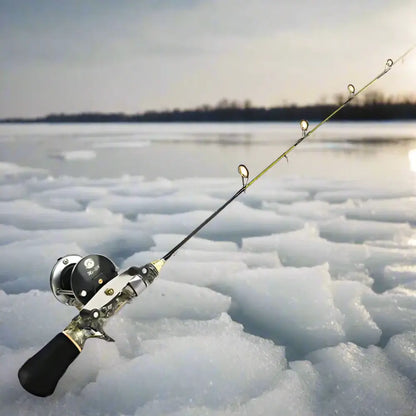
[356, 151]
[299, 299]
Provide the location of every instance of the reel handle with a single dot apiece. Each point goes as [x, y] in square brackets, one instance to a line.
[40, 374]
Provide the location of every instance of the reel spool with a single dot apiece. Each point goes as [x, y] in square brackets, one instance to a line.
[75, 280]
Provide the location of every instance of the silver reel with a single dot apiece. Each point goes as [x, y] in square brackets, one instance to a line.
[75, 280]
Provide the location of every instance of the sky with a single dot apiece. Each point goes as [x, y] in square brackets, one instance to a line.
[131, 56]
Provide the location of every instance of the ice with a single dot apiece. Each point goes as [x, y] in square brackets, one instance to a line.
[358, 324]
[11, 192]
[205, 273]
[338, 196]
[351, 231]
[32, 216]
[355, 378]
[394, 312]
[391, 210]
[298, 299]
[304, 248]
[401, 350]
[9, 234]
[120, 144]
[265, 259]
[136, 186]
[399, 274]
[283, 196]
[380, 261]
[130, 206]
[167, 241]
[10, 171]
[309, 210]
[228, 226]
[77, 155]
[219, 369]
[116, 242]
[62, 204]
[268, 302]
[178, 300]
[83, 194]
[31, 319]
[28, 263]
[352, 221]
[202, 261]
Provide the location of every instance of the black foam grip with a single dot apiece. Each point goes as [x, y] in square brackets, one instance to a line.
[40, 374]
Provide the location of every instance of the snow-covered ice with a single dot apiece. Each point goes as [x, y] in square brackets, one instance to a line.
[299, 299]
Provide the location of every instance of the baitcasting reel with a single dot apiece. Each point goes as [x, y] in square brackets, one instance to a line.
[93, 285]
[75, 280]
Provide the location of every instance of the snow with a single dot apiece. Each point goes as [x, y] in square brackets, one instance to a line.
[299, 299]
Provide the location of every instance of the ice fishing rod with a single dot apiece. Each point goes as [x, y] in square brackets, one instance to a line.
[93, 285]
[304, 125]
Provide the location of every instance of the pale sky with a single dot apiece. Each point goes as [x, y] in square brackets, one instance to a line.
[131, 56]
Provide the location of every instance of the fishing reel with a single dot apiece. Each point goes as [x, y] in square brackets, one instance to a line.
[94, 286]
[75, 280]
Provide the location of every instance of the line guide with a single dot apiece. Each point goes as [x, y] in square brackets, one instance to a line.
[304, 125]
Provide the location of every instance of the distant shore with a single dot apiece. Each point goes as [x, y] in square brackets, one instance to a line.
[235, 113]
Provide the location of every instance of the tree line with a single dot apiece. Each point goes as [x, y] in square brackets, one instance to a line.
[372, 106]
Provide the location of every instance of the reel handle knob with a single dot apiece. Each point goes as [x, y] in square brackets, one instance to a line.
[40, 374]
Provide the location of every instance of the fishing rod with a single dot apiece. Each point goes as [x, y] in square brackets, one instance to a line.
[93, 285]
[304, 125]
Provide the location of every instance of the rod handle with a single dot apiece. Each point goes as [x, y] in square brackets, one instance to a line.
[40, 374]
